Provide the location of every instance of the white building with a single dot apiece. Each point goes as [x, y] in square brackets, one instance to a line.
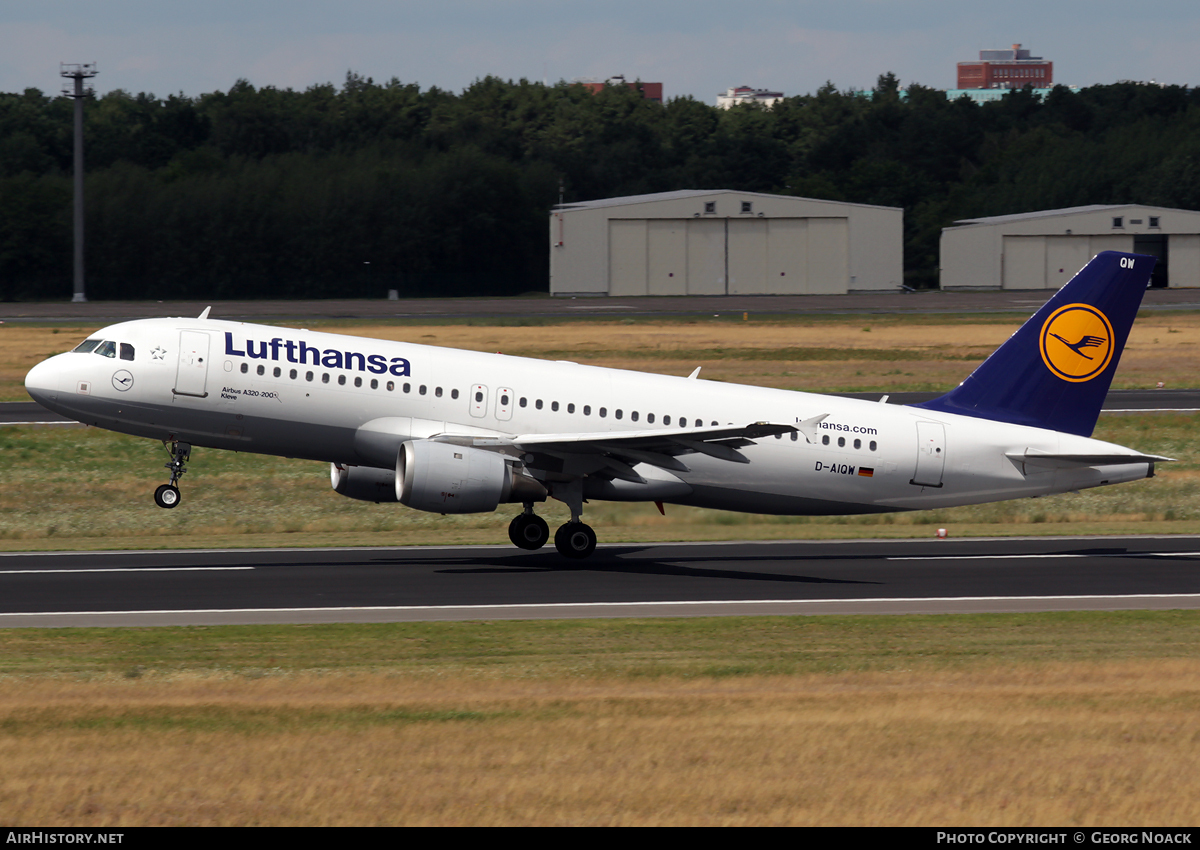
[745, 94]
[722, 242]
[1042, 250]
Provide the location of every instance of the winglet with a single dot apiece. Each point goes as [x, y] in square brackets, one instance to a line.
[204, 315]
[1055, 371]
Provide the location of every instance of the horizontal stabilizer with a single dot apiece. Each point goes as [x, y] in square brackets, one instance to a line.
[1066, 460]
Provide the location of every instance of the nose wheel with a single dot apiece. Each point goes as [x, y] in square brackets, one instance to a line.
[167, 495]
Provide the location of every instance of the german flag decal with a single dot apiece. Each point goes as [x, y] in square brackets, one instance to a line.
[866, 471]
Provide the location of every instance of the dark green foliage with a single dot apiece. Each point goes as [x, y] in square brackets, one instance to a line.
[350, 192]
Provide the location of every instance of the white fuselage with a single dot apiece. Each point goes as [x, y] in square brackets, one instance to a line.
[350, 400]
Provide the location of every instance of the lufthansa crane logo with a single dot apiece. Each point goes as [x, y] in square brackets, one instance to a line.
[1077, 342]
[122, 380]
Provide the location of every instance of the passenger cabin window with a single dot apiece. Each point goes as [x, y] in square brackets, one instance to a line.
[126, 351]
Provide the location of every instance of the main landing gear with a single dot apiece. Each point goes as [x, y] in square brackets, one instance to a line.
[573, 539]
[167, 495]
[528, 530]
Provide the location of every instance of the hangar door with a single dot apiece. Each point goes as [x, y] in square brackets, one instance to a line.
[728, 256]
[1048, 262]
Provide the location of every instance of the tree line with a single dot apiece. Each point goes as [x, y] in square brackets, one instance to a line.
[351, 191]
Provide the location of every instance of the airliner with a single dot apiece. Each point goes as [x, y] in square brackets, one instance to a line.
[452, 431]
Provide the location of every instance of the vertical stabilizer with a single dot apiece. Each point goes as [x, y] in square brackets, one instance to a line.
[1056, 370]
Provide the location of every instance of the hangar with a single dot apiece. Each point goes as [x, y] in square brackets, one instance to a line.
[1042, 250]
[722, 242]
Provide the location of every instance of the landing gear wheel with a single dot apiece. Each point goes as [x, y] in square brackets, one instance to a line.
[166, 496]
[528, 531]
[575, 540]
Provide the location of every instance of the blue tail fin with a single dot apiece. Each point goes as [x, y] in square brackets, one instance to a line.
[1056, 370]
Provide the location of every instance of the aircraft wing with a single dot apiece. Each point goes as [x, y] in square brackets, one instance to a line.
[615, 452]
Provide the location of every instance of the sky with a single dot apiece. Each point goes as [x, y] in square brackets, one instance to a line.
[697, 48]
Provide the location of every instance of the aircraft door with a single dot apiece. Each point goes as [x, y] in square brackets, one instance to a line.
[931, 454]
[479, 401]
[504, 403]
[191, 377]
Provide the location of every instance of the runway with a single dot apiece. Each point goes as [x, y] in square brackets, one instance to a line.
[646, 580]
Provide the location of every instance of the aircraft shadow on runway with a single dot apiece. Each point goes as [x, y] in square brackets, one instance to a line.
[614, 559]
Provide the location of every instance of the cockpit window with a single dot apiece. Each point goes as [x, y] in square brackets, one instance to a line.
[126, 351]
[86, 346]
[108, 348]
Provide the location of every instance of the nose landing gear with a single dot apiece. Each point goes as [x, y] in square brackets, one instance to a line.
[167, 495]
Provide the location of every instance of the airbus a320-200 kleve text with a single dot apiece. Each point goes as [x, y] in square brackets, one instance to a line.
[453, 431]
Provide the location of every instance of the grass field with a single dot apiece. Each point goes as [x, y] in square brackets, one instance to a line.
[814, 354]
[75, 488]
[1000, 720]
[1004, 720]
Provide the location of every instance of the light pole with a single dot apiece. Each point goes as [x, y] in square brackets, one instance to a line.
[78, 73]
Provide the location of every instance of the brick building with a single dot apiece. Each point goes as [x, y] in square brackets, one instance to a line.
[1006, 69]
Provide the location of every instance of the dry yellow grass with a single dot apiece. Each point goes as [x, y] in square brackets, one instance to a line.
[1066, 744]
[860, 352]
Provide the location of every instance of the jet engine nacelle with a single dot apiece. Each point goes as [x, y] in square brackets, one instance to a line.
[448, 479]
[363, 482]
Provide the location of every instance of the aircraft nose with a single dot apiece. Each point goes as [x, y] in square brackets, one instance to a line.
[42, 382]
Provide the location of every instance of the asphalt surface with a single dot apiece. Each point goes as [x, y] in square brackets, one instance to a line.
[543, 306]
[487, 582]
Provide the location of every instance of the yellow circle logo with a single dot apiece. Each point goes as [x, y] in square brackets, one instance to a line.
[1077, 342]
